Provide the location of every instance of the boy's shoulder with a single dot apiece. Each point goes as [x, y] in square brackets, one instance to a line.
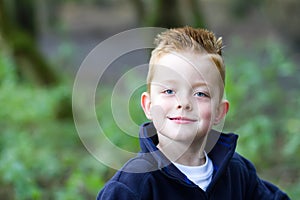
[244, 173]
[135, 169]
[242, 170]
[130, 181]
[240, 162]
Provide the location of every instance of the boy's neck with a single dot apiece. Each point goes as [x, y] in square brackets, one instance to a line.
[182, 153]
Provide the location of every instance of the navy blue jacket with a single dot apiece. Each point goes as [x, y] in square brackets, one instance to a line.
[151, 176]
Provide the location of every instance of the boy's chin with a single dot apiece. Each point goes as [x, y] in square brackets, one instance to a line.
[182, 136]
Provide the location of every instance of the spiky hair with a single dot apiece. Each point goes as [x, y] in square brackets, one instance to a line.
[189, 38]
[197, 40]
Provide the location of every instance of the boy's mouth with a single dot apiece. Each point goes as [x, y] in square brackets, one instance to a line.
[182, 120]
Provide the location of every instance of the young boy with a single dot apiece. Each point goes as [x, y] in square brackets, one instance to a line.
[184, 101]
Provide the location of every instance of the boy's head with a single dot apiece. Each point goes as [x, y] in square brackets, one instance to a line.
[187, 39]
[185, 84]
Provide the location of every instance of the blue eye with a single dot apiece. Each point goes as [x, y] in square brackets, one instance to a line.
[201, 94]
[168, 91]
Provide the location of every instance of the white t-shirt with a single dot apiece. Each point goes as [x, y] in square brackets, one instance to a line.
[200, 175]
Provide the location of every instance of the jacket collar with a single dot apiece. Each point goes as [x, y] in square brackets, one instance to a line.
[220, 154]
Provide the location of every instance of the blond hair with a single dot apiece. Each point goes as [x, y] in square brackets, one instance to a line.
[187, 39]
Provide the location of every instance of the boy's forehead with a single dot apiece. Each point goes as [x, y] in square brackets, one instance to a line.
[193, 60]
[188, 66]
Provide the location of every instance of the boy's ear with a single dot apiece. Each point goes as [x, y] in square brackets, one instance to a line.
[146, 104]
[221, 111]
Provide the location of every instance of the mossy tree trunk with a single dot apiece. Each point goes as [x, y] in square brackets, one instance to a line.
[168, 13]
[18, 29]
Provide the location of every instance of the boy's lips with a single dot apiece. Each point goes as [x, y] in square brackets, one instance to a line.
[182, 120]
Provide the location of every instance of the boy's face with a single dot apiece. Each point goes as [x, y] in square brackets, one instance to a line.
[186, 96]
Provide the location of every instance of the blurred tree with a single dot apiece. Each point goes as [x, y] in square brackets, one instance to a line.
[285, 15]
[167, 13]
[18, 28]
[198, 17]
[241, 9]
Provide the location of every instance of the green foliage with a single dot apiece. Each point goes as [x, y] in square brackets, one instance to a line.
[262, 86]
[125, 139]
[41, 156]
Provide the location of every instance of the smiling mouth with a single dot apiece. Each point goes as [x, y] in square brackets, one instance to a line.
[182, 120]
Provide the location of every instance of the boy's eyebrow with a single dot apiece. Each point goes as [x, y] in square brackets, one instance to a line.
[168, 81]
[200, 84]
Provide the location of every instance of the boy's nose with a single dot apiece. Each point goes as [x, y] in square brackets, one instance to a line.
[184, 104]
[186, 107]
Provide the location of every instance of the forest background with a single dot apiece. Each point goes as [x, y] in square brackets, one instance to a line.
[43, 43]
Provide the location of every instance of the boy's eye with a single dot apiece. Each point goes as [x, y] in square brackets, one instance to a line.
[201, 94]
[169, 91]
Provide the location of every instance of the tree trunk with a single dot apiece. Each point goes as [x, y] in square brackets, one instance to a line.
[167, 13]
[18, 29]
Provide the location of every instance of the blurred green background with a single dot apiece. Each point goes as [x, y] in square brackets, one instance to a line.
[42, 44]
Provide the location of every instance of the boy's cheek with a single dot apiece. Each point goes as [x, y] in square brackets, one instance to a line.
[157, 115]
[206, 112]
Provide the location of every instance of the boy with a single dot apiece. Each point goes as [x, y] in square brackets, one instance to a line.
[184, 100]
